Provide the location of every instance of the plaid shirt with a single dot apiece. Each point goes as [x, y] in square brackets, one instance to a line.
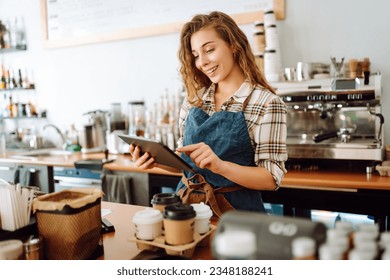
[265, 116]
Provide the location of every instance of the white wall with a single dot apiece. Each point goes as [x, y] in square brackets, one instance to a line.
[74, 80]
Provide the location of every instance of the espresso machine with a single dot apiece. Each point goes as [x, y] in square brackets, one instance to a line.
[331, 125]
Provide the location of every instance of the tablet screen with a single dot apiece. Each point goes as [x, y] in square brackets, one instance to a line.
[161, 153]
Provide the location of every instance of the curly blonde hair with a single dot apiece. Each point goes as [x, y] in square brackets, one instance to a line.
[228, 31]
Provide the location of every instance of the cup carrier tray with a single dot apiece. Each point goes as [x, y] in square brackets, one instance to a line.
[186, 250]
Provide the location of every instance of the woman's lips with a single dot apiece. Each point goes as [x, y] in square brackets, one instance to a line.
[211, 71]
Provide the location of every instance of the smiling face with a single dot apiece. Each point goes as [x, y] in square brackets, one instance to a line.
[213, 56]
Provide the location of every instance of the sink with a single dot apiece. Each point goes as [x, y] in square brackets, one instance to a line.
[42, 153]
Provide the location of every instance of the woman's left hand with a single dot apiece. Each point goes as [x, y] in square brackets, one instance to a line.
[203, 156]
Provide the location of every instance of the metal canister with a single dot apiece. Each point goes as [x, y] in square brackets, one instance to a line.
[31, 249]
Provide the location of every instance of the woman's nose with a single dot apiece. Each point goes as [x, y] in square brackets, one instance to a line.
[203, 60]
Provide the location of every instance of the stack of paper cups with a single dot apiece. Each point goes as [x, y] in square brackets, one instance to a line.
[272, 65]
[269, 17]
[272, 54]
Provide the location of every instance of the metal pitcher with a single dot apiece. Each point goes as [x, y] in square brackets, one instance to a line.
[93, 135]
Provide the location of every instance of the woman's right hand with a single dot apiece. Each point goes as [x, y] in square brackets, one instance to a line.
[141, 160]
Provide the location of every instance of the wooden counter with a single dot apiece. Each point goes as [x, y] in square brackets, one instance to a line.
[343, 181]
[347, 181]
[117, 245]
[341, 191]
[120, 163]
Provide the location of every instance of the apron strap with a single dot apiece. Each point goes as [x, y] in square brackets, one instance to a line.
[201, 185]
[247, 99]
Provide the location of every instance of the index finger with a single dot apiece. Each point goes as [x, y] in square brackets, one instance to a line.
[188, 148]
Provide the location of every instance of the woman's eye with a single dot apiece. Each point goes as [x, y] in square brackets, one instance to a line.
[209, 51]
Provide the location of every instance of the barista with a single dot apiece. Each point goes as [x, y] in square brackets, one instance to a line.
[232, 124]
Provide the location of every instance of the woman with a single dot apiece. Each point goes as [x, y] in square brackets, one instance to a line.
[232, 124]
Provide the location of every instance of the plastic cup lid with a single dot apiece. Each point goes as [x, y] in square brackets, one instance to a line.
[202, 210]
[165, 198]
[179, 212]
[147, 216]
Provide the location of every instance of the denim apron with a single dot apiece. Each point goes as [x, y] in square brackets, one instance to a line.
[227, 135]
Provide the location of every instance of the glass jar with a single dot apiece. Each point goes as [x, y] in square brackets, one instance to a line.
[136, 116]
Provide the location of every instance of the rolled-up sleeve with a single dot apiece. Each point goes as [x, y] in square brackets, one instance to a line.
[182, 119]
[270, 139]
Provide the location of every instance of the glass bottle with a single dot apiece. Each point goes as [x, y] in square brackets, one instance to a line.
[20, 33]
[2, 77]
[20, 82]
[2, 32]
[6, 35]
[117, 122]
[10, 107]
[4, 113]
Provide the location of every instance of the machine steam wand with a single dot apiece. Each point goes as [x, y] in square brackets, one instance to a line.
[382, 120]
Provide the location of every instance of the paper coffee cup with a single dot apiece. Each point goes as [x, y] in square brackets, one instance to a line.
[179, 224]
[202, 218]
[148, 224]
[160, 200]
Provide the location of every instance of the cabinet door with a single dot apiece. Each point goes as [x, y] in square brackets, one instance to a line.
[145, 185]
[36, 175]
[139, 191]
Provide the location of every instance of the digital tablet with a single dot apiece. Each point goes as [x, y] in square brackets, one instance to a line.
[161, 153]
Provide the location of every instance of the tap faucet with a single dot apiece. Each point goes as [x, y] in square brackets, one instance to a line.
[64, 144]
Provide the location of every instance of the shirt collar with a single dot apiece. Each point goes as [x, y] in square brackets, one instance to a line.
[243, 92]
[239, 96]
